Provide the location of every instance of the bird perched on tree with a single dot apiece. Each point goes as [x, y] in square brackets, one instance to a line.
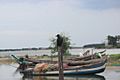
[59, 40]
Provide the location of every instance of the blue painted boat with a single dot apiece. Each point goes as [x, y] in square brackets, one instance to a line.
[93, 68]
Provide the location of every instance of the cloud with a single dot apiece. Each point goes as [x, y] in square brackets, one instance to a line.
[27, 24]
[22, 1]
[99, 4]
[86, 4]
[96, 4]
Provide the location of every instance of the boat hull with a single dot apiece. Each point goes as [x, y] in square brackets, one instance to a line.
[87, 71]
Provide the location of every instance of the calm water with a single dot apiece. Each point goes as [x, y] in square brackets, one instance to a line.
[8, 72]
[47, 52]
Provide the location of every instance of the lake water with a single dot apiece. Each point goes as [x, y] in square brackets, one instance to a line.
[8, 72]
[48, 52]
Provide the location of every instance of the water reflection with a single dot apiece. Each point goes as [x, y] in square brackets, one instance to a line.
[10, 73]
[81, 77]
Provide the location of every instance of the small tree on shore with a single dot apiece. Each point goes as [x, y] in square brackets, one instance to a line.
[66, 45]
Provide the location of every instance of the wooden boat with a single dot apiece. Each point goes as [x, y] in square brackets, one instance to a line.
[84, 58]
[31, 62]
[92, 68]
[81, 71]
[78, 61]
[27, 60]
[88, 57]
[76, 66]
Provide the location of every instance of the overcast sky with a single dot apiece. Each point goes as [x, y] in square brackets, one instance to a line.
[32, 23]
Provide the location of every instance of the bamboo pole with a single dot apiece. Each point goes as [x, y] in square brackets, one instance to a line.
[60, 61]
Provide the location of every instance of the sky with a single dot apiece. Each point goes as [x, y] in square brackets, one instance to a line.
[32, 23]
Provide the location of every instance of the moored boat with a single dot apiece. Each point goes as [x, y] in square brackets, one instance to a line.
[71, 70]
[75, 66]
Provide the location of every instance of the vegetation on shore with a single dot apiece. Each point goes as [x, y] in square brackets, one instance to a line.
[111, 42]
[114, 60]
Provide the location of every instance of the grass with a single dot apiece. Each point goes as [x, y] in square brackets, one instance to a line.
[114, 60]
[115, 56]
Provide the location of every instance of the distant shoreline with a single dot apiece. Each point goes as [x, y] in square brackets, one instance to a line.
[41, 48]
[25, 49]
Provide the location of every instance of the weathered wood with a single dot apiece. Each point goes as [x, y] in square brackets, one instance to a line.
[76, 63]
[60, 62]
[87, 57]
[40, 61]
